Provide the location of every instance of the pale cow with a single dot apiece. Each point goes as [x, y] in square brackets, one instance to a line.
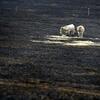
[80, 30]
[67, 30]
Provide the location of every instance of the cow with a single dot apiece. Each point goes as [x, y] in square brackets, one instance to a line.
[68, 30]
[80, 30]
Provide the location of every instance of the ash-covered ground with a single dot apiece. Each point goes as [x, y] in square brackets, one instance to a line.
[36, 66]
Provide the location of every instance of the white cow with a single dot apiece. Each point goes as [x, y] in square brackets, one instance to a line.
[80, 30]
[67, 30]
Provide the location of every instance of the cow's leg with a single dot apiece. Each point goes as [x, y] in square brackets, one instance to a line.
[68, 32]
[72, 32]
[80, 34]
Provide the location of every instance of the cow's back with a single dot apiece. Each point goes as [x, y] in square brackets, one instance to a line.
[69, 27]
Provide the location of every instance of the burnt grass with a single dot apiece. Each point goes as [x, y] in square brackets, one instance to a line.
[52, 64]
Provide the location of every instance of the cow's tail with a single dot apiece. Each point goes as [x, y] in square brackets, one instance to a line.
[61, 31]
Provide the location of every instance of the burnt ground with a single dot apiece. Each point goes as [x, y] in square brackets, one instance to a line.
[41, 71]
[48, 71]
